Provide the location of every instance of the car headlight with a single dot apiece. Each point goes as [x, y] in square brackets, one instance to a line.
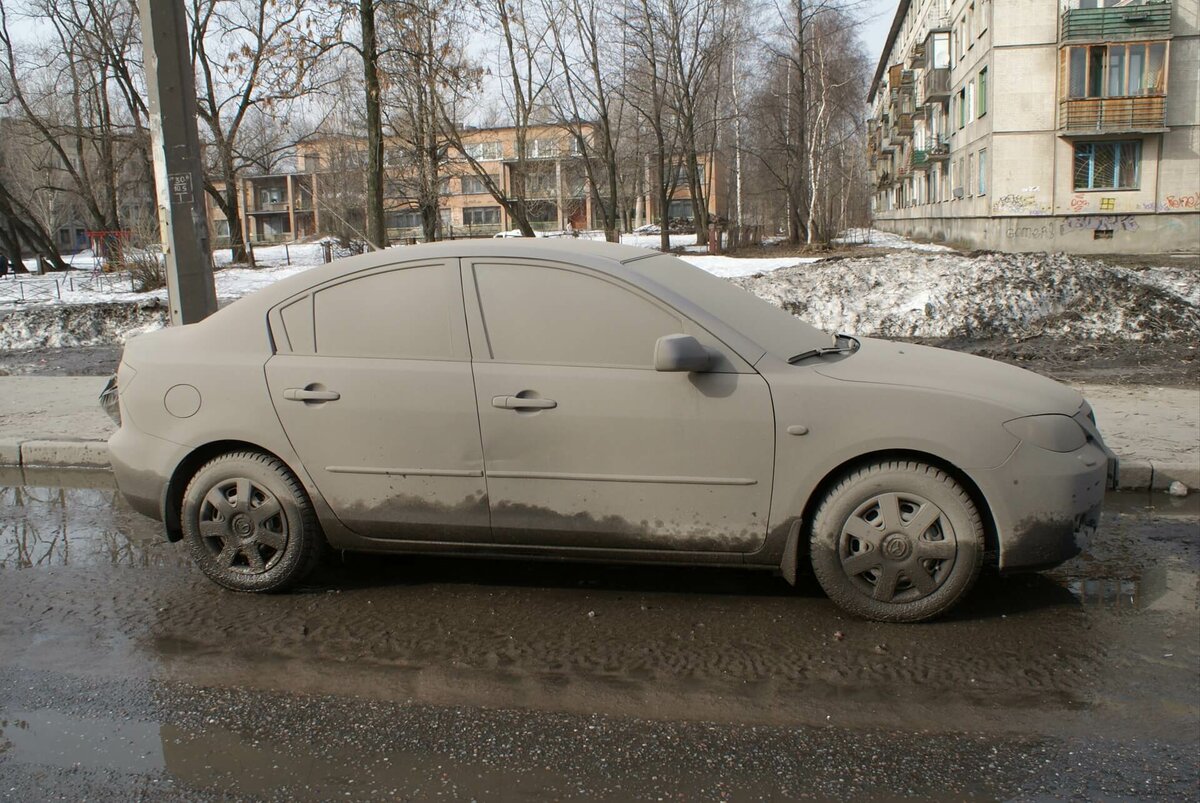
[1055, 433]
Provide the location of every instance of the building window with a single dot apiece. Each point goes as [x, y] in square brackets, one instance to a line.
[481, 216]
[1108, 165]
[971, 100]
[681, 175]
[983, 171]
[408, 219]
[272, 195]
[680, 210]
[1124, 70]
[962, 107]
[485, 151]
[970, 173]
[939, 51]
[542, 212]
[981, 102]
[544, 148]
[968, 20]
[473, 185]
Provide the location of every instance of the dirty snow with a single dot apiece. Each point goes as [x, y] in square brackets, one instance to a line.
[913, 294]
[874, 238]
[731, 267]
[913, 291]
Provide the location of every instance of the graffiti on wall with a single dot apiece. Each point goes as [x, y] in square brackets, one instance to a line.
[1079, 203]
[1103, 222]
[1046, 231]
[1050, 231]
[1183, 201]
[1020, 204]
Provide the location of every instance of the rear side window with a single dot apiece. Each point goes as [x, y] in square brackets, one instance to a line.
[549, 315]
[401, 314]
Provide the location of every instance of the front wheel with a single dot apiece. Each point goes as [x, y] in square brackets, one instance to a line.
[897, 541]
[250, 524]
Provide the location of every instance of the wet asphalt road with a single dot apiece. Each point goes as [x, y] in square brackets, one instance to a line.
[125, 675]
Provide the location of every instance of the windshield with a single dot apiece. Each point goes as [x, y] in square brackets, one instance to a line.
[777, 331]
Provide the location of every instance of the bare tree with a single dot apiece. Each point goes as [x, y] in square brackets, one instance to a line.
[648, 92]
[79, 100]
[586, 97]
[251, 58]
[523, 44]
[423, 67]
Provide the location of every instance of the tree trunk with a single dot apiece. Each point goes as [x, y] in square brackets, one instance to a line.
[376, 230]
[24, 226]
[232, 208]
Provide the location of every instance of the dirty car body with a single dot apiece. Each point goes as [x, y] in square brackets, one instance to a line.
[591, 401]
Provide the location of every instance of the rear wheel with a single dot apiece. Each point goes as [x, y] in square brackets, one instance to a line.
[249, 523]
[897, 541]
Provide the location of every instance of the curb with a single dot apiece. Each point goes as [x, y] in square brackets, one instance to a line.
[1135, 474]
[55, 454]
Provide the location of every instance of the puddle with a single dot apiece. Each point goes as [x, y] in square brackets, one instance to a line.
[75, 519]
[50, 737]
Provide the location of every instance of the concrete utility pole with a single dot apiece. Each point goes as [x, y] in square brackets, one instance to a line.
[178, 172]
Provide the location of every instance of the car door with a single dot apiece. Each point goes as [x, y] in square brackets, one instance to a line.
[372, 383]
[585, 444]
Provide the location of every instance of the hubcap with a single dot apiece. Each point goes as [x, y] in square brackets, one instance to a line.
[897, 547]
[243, 526]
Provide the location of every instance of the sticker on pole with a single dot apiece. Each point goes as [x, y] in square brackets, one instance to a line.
[181, 188]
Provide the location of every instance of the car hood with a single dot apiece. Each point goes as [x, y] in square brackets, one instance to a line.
[883, 362]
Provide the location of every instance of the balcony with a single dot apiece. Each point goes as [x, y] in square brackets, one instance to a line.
[1147, 21]
[268, 208]
[1083, 116]
[937, 85]
[920, 160]
[916, 58]
[939, 151]
[905, 125]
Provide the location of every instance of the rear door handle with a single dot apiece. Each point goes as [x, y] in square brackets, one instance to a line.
[520, 403]
[304, 394]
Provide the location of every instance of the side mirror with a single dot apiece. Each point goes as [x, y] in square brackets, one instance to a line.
[681, 353]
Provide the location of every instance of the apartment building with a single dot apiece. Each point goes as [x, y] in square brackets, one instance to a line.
[326, 193]
[1030, 125]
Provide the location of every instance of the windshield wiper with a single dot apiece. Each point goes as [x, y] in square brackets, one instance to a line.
[843, 344]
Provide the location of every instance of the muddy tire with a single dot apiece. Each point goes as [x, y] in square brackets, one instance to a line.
[250, 524]
[897, 541]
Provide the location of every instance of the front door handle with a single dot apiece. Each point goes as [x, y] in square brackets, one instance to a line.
[306, 395]
[522, 403]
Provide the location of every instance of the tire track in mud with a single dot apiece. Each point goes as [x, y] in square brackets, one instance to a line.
[646, 643]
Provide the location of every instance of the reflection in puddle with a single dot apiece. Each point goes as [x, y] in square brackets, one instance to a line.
[1107, 592]
[1169, 587]
[42, 526]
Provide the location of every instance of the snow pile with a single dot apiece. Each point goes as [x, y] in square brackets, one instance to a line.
[732, 267]
[68, 326]
[874, 238]
[909, 294]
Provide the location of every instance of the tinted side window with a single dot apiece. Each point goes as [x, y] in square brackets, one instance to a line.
[400, 314]
[548, 315]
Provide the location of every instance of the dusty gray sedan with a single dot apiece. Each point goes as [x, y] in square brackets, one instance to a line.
[598, 402]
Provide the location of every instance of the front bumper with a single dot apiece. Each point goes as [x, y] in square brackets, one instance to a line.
[1047, 505]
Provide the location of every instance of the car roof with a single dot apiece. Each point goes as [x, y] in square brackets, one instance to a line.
[605, 257]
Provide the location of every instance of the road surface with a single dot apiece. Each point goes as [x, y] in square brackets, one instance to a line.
[125, 675]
